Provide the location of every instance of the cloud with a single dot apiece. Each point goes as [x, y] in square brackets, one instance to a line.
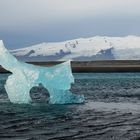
[29, 14]
[26, 22]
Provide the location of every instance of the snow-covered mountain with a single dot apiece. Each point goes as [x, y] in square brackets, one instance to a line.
[94, 48]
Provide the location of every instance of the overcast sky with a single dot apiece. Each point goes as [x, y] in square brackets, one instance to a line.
[28, 22]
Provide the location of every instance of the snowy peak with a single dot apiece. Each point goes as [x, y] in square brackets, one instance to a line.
[94, 48]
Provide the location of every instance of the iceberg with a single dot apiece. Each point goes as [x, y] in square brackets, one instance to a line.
[56, 79]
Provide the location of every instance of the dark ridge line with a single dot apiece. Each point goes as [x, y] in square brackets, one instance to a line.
[93, 66]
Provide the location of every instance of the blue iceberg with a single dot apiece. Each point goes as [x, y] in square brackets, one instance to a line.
[56, 79]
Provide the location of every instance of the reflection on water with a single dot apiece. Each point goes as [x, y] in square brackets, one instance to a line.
[111, 112]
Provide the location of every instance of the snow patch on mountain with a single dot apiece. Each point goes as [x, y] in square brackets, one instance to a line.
[94, 48]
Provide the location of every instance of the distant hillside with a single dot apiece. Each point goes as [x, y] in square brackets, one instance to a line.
[94, 48]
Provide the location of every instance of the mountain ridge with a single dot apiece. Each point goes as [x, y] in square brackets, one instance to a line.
[90, 49]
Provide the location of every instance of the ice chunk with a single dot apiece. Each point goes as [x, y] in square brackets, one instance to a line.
[56, 79]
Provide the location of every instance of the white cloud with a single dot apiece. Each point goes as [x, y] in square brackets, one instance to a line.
[28, 13]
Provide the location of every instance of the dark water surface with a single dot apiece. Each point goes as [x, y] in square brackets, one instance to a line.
[111, 111]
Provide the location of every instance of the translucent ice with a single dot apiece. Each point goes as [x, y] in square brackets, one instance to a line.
[56, 79]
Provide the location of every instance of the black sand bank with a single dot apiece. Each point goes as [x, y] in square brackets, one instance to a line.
[95, 66]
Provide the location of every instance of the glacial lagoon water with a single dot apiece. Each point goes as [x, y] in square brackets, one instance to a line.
[111, 111]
